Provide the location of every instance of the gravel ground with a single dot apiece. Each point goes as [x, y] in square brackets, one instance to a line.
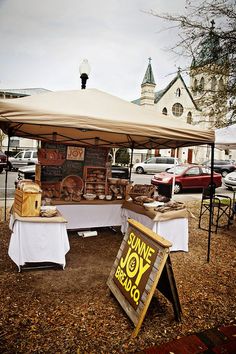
[73, 311]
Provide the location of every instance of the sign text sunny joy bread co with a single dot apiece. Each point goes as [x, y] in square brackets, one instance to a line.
[137, 269]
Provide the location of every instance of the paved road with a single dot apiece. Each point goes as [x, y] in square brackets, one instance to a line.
[136, 178]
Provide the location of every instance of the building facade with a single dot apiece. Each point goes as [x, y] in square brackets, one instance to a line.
[16, 143]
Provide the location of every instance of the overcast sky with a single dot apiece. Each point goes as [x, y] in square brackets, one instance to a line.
[43, 42]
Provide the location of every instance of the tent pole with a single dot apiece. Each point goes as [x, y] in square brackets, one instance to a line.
[173, 181]
[6, 177]
[211, 202]
[131, 162]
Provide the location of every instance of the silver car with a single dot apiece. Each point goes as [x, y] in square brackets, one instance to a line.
[230, 180]
[156, 164]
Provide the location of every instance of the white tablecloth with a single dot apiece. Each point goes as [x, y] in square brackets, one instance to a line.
[84, 216]
[174, 230]
[38, 242]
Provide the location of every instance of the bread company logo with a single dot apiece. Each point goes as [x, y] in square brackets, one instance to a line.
[135, 266]
[75, 153]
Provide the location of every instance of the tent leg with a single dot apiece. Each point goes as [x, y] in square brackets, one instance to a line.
[211, 202]
[131, 162]
[6, 177]
[173, 181]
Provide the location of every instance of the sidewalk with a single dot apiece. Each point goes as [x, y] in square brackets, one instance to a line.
[221, 340]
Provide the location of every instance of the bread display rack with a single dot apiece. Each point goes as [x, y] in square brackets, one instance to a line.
[95, 180]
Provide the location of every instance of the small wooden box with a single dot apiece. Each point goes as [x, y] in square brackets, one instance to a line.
[27, 204]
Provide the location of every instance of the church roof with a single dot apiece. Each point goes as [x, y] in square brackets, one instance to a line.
[149, 77]
[159, 94]
[209, 51]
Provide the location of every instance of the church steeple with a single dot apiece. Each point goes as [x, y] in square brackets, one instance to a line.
[149, 77]
[147, 87]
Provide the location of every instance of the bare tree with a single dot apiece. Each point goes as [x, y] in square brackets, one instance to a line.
[208, 30]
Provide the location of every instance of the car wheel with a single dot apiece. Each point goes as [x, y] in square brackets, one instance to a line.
[139, 170]
[224, 173]
[177, 188]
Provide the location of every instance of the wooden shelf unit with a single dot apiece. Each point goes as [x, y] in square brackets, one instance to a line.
[95, 180]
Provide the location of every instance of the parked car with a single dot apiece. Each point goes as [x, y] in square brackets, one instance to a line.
[156, 164]
[23, 158]
[28, 172]
[187, 177]
[3, 161]
[221, 166]
[230, 180]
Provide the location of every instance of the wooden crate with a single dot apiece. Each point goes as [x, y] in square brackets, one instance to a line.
[27, 204]
[141, 190]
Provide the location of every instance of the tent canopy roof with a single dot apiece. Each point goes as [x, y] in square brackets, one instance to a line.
[226, 137]
[92, 117]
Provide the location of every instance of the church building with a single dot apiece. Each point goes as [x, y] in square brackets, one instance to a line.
[195, 104]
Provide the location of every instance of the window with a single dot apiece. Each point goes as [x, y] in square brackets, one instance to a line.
[177, 109]
[35, 154]
[15, 142]
[178, 92]
[193, 172]
[161, 160]
[164, 111]
[189, 118]
[195, 87]
[151, 160]
[20, 155]
[27, 154]
[202, 84]
[221, 84]
[213, 83]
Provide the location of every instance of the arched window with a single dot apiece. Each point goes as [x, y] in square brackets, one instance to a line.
[221, 84]
[164, 111]
[211, 115]
[177, 109]
[195, 87]
[189, 118]
[178, 92]
[202, 84]
[213, 83]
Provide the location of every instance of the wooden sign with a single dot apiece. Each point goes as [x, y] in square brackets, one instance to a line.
[136, 271]
[75, 153]
[52, 157]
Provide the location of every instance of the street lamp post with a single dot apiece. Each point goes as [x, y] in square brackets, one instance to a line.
[84, 70]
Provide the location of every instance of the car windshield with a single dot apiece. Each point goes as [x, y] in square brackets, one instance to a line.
[177, 170]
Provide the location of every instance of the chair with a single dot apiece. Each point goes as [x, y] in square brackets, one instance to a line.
[221, 209]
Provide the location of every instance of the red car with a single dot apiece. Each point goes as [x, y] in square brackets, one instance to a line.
[187, 177]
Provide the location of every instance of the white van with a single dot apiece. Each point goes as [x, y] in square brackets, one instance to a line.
[156, 164]
[23, 158]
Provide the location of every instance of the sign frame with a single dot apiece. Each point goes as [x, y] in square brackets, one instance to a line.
[157, 263]
[75, 153]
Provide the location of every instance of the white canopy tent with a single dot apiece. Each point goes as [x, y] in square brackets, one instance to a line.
[225, 138]
[92, 117]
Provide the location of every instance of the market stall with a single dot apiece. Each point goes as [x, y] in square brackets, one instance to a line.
[90, 119]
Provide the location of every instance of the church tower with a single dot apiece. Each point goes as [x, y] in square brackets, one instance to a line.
[147, 88]
[209, 75]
